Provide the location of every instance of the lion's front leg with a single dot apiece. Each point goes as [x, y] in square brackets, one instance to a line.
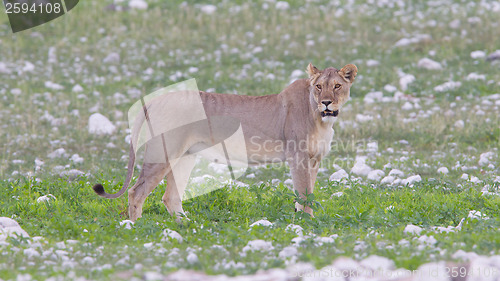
[304, 171]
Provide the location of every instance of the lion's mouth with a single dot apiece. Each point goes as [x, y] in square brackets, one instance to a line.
[329, 113]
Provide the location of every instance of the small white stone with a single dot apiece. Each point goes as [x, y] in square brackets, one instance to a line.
[407, 106]
[429, 64]
[443, 170]
[375, 175]
[45, 198]
[339, 175]
[287, 252]
[192, 258]
[295, 228]
[360, 168]
[169, 234]
[112, 58]
[478, 54]
[412, 229]
[77, 89]
[396, 173]
[127, 224]
[459, 124]
[100, 125]
[258, 245]
[338, 194]
[477, 215]
[208, 9]
[282, 5]
[138, 4]
[388, 180]
[411, 180]
[261, 223]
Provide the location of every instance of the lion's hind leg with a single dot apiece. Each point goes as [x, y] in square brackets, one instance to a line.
[150, 176]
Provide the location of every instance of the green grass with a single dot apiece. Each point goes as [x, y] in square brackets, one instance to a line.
[224, 47]
[361, 214]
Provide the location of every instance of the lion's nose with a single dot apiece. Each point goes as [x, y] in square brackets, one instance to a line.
[326, 102]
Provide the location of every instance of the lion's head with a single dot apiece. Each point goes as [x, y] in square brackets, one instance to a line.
[330, 88]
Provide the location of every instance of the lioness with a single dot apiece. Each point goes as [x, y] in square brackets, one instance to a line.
[293, 126]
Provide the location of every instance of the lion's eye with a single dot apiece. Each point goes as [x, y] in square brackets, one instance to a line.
[337, 86]
[318, 86]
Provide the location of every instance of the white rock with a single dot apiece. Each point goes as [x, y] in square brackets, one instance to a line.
[45, 198]
[58, 153]
[459, 124]
[412, 229]
[478, 54]
[390, 88]
[71, 174]
[338, 194]
[77, 89]
[282, 5]
[443, 170]
[258, 245]
[407, 106]
[88, 260]
[411, 180]
[112, 58]
[448, 86]
[388, 180]
[296, 74]
[396, 173]
[138, 4]
[295, 228]
[261, 223]
[475, 77]
[192, 258]
[100, 125]
[31, 253]
[375, 175]
[360, 168]
[53, 86]
[28, 67]
[476, 215]
[9, 227]
[169, 234]
[474, 179]
[75, 158]
[208, 9]
[4, 69]
[362, 118]
[427, 240]
[127, 224]
[339, 175]
[371, 97]
[484, 158]
[429, 64]
[405, 80]
[287, 252]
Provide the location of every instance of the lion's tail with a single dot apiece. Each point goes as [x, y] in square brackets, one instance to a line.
[99, 189]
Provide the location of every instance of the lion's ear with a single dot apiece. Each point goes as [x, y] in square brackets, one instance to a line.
[312, 70]
[349, 72]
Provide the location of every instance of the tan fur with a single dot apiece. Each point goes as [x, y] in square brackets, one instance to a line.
[273, 127]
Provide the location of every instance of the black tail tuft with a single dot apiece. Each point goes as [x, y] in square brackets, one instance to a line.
[99, 189]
